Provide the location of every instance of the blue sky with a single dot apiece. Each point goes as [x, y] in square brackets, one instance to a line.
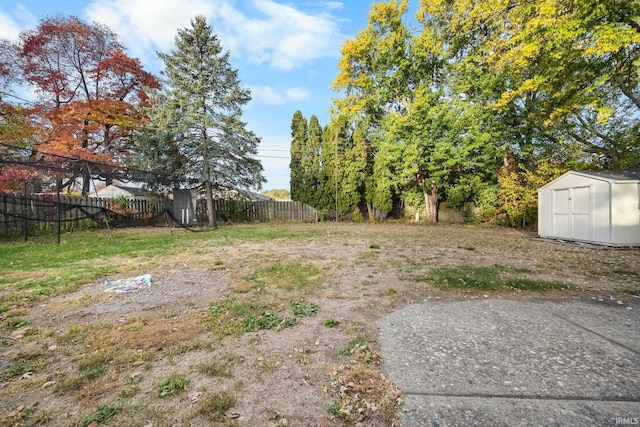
[286, 51]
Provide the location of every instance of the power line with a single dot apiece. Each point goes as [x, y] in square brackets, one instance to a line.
[18, 98]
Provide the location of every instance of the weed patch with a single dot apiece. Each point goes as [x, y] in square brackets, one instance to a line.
[13, 323]
[229, 317]
[173, 385]
[361, 349]
[215, 406]
[216, 368]
[234, 317]
[103, 413]
[331, 323]
[487, 279]
[268, 320]
[288, 276]
[303, 309]
[25, 362]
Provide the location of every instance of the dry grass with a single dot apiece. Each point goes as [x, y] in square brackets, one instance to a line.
[251, 278]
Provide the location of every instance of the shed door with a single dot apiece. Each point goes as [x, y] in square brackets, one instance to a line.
[581, 214]
[572, 213]
[561, 213]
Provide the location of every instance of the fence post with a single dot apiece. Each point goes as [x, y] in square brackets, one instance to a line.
[24, 211]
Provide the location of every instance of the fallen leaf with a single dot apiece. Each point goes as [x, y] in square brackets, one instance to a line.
[195, 396]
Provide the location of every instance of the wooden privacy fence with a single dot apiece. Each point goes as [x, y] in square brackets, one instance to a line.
[257, 211]
[40, 214]
[450, 215]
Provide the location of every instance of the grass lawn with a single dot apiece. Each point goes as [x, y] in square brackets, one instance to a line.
[257, 324]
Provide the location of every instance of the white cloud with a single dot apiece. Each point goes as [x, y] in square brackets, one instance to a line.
[334, 4]
[8, 28]
[269, 95]
[11, 25]
[296, 94]
[264, 32]
[295, 37]
[145, 26]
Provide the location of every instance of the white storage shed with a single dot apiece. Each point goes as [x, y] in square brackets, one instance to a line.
[592, 206]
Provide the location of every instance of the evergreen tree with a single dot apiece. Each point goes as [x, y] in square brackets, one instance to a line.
[354, 171]
[338, 191]
[313, 164]
[299, 137]
[328, 159]
[202, 109]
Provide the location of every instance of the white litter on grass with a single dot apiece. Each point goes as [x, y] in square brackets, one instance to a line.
[128, 285]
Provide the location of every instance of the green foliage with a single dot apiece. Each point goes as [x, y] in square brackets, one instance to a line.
[268, 320]
[129, 392]
[336, 410]
[313, 164]
[518, 191]
[331, 323]
[302, 308]
[93, 367]
[356, 216]
[103, 413]
[278, 194]
[476, 88]
[173, 385]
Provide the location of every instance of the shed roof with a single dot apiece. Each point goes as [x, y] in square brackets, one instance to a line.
[621, 175]
[602, 175]
[133, 191]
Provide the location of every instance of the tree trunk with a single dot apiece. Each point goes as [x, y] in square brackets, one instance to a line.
[206, 177]
[211, 212]
[86, 183]
[431, 203]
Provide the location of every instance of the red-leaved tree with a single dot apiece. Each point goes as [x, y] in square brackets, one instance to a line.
[90, 90]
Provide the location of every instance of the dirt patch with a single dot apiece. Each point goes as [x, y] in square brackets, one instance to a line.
[298, 375]
[173, 292]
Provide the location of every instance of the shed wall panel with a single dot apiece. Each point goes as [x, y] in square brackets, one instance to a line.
[625, 214]
[561, 213]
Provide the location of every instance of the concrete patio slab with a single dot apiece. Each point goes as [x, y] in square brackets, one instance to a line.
[506, 362]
